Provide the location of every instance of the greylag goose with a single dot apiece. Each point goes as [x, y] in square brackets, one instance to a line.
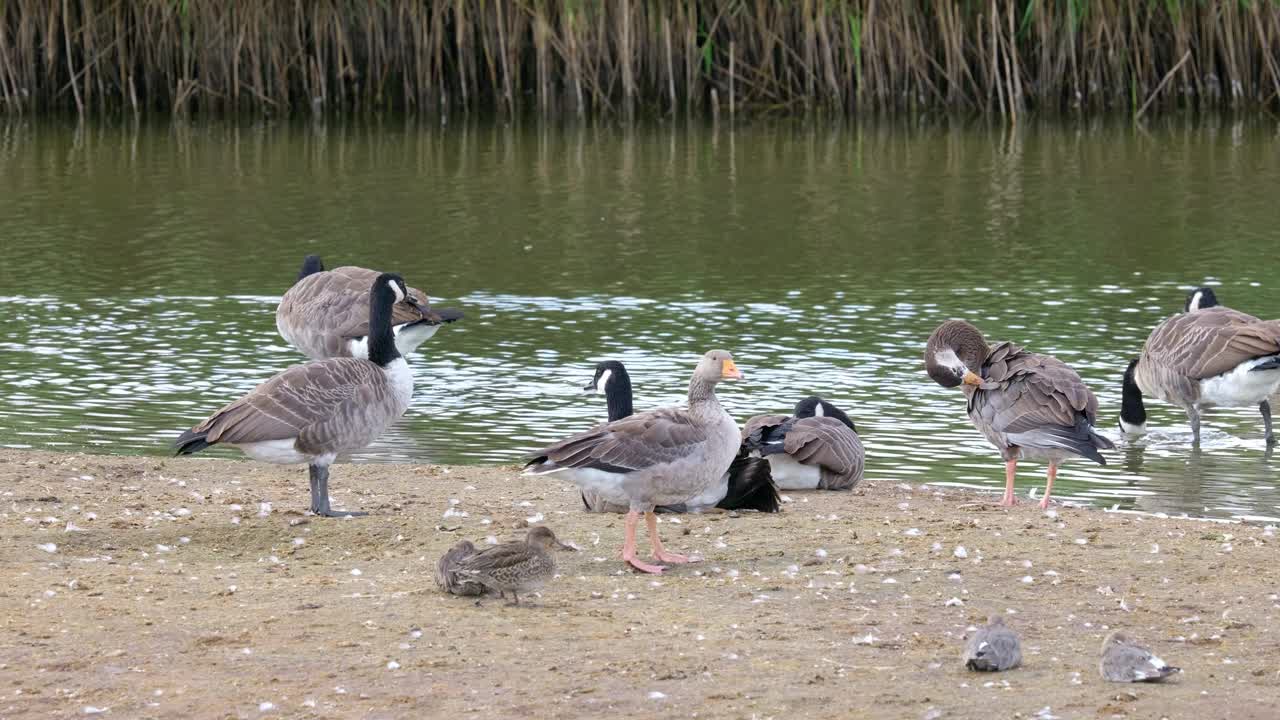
[1123, 660]
[1209, 356]
[993, 648]
[659, 457]
[447, 578]
[514, 567]
[1030, 406]
[326, 313]
[816, 448]
[313, 412]
[746, 486]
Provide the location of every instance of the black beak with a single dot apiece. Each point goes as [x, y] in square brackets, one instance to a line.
[589, 388]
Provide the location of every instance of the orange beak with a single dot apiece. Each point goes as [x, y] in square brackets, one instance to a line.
[729, 371]
[971, 378]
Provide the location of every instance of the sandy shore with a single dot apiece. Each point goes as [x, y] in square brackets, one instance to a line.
[155, 588]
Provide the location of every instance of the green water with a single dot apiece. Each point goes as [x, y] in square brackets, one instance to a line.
[141, 266]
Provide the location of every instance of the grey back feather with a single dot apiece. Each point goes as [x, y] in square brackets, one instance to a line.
[1034, 401]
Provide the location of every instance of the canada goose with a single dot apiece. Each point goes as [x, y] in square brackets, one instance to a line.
[1123, 660]
[658, 457]
[993, 648]
[514, 567]
[313, 412]
[447, 577]
[746, 486]
[1030, 406]
[817, 448]
[1208, 356]
[326, 313]
[1199, 299]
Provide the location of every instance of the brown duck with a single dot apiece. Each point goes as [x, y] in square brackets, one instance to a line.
[514, 567]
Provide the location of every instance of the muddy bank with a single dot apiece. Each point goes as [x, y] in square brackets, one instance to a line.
[197, 587]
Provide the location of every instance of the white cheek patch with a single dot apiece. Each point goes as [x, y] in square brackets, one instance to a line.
[818, 411]
[395, 288]
[1194, 305]
[604, 380]
[948, 358]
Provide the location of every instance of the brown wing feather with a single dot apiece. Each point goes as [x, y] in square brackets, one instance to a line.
[830, 444]
[295, 401]
[1210, 342]
[633, 443]
[1035, 390]
[754, 432]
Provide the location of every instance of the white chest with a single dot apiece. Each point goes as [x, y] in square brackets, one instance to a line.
[400, 378]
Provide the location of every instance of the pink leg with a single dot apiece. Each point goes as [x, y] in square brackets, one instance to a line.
[629, 546]
[1048, 486]
[1010, 469]
[660, 553]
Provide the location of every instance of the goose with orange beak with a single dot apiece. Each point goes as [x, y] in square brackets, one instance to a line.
[1030, 406]
[665, 456]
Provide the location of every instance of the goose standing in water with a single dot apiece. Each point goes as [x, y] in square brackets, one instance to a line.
[1208, 356]
[659, 457]
[746, 486]
[817, 448]
[1030, 406]
[326, 313]
[313, 412]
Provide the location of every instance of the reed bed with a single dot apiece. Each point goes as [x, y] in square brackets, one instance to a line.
[605, 57]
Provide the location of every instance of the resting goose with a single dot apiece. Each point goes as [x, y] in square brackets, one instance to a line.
[746, 486]
[659, 457]
[326, 313]
[1030, 406]
[313, 412]
[1208, 356]
[816, 448]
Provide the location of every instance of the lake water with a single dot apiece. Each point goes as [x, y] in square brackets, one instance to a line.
[142, 265]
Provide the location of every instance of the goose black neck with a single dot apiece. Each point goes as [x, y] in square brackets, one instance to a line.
[382, 341]
[617, 393]
[310, 266]
[1132, 410]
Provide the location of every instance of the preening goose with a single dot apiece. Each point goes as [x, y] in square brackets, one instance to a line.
[995, 647]
[514, 567]
[746, 486]
[1030, 406]
[1208, 356]
[817, 448]
[313, 412]
[326, 313]
[659, 457]
[1123, 660]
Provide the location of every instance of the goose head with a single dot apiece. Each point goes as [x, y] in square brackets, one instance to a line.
[608, 375]
[955, 353]
[1199, 299]
[311, 265]
[715, 366]
[814, 406]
